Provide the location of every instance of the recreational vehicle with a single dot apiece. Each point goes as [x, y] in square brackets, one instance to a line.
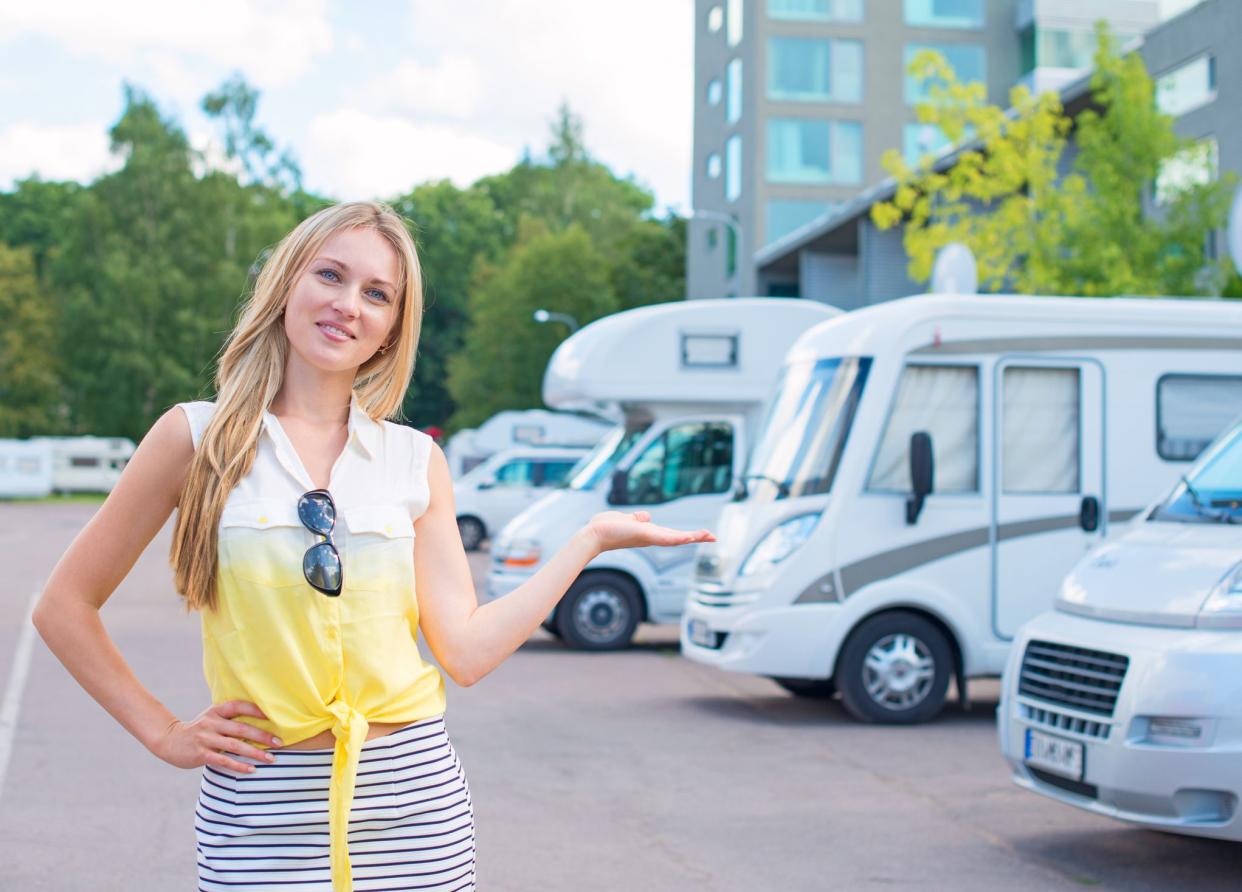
[929, 470]
[87, 464]
[690, 378]
[25, 469]
[469, 448]
[1126, 700]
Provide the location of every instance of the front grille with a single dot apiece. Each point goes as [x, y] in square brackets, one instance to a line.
[1060, 721]
[1078, 788]
[1075, 677]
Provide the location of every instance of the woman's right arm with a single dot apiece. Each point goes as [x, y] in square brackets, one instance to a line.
[100, 556]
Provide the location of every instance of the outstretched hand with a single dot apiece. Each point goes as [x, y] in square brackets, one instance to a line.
[617, 529]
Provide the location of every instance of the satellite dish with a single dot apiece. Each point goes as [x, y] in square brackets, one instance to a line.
[1234, 233]
[955, 270]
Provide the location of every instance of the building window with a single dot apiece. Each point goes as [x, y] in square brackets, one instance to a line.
[1061, 48]
[802, 150]
[1191, 410]
[1187, 87]
[713, 166]
[783, 217]
[715, 18]
[801, 68]
[733, 88]
[944, 13]
[918, 140]
[966, 59]
[733, 167]
[1193, 166]
[816, 10]
[733, 23]
[715, 91]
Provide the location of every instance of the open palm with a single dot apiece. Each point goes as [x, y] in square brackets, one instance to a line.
[617, 529]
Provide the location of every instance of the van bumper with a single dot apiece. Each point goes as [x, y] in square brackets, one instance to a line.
[1185, 784]
[501, 582]
[790, 641]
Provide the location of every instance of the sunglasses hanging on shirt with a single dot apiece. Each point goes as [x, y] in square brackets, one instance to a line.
[321, 565]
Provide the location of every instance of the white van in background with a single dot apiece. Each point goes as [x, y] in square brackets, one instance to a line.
[691, 378]
[494, 492]
[930, 469]
[87, 464]
[1127, 699]
[522, 427]
[25, 469]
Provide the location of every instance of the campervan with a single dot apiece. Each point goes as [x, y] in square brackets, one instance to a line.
[522, 427]
[87, 464]
[690, 378]
[25, 469]
[494, 492]
[929, 470]
[1126, 700]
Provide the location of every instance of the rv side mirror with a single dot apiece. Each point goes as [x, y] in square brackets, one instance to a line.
[922, 474]
[485, 484]
[618, 494]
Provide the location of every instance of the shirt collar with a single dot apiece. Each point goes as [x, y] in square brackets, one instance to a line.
[363, 429]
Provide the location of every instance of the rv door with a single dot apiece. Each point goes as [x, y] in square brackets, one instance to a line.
[1048, 498]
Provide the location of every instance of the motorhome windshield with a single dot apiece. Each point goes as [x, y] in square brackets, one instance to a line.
[803, 436]
[599, 462]
[1212, 491]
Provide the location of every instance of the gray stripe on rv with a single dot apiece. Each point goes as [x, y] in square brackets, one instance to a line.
[1018, 345]
[901, 560]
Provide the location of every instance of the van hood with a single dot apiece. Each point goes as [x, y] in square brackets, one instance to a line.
[1156, 573]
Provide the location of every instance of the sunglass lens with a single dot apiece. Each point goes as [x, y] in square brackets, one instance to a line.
[317, 512]
[322, 566]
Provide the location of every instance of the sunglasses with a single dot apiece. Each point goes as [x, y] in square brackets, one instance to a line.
[321, 565]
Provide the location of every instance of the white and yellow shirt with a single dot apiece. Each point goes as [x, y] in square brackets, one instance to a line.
[308, 661]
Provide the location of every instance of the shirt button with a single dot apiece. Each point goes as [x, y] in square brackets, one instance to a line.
[331, 632]
[388, 528]
[263, 519]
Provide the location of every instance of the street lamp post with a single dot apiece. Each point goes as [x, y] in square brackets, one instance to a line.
[734, 226]
[542, 315]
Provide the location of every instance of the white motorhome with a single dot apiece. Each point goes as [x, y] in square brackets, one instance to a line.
[506, 483]
[25, 469]
[1127, 699]
[691, 378]
[87, 464]
[521, 427]
[930, 469]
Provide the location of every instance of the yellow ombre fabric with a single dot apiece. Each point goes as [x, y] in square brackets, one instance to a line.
[308, 661]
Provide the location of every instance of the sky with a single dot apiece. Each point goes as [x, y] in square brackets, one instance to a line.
[371, 97]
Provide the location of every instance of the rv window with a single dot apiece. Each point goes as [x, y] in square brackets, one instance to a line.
[944, 402]
[1039, 430]
[515, 473]
[528, 433]
[552, 473]
[709, 351]
[686, 460]
[1191, 410]
[83, 461]
[599, 463]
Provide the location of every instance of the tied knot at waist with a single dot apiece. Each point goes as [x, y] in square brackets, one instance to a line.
[350, 730]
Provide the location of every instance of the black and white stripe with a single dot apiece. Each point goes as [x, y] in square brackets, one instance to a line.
[411, 826]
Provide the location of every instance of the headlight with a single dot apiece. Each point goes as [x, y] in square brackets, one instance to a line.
[520, 553]
[779, 544]
[1224, 603]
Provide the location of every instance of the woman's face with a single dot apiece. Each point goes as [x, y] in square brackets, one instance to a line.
[343, 306]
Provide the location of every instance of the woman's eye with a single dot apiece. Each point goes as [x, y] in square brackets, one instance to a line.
[331, 272]
[380, 295]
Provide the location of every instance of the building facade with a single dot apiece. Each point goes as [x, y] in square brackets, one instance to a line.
[796, 101]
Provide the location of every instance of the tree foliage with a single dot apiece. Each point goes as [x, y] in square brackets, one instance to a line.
[1036, 227]
[28, 370]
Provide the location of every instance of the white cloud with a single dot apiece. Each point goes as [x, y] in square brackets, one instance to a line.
[355, 155]
[449, 89]
[57, 152]
[274, 42]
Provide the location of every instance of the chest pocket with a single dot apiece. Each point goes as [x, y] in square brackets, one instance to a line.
[379, 556]
[263, 542]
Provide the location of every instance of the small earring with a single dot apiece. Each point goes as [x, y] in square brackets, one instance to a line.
[383, 349]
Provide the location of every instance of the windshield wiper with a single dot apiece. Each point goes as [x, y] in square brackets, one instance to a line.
[1203, 509]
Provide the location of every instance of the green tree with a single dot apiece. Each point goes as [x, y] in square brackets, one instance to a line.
[502, 361]
[29, 385]
[233, 106]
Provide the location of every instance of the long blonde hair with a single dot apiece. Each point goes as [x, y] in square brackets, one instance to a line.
[251, 370]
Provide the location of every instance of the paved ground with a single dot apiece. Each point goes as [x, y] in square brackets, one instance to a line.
[636, 770]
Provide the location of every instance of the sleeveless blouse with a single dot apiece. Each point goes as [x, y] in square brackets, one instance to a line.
[311, 662]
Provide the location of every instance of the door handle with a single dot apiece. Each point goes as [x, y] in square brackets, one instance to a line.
[1089, 514]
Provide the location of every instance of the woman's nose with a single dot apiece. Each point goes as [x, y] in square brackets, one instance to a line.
[347, 302]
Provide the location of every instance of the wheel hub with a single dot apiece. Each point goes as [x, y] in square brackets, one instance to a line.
[898, 671]
[601, 614]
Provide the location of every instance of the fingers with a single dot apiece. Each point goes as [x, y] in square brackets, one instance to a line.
[234, 745]
[231, 708]
[219, 760]
[248, 732]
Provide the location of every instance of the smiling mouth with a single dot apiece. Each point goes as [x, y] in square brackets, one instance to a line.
[332, 330]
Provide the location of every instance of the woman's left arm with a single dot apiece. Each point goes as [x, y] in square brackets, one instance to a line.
[470, 640]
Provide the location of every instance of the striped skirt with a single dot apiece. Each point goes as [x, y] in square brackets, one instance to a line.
[411, 826]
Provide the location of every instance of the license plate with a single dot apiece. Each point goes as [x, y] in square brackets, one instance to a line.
[701, 634]
[1055, 754]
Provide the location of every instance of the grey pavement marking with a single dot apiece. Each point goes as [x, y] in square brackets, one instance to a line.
[10, 709]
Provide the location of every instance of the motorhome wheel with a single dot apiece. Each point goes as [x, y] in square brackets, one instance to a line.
[599, 612]
[895, 669]
[811, 688]
[471, 529]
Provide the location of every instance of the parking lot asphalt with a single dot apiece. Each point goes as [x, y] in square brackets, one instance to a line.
[635, 770]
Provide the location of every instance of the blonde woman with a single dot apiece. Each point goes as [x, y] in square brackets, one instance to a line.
[318, 541]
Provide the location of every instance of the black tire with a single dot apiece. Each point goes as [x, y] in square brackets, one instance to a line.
[599, 612]
[908, 677]
[550, 626]
[472, 532]
[811, 688]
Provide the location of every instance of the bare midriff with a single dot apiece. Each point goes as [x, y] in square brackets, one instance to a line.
[326, 739]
